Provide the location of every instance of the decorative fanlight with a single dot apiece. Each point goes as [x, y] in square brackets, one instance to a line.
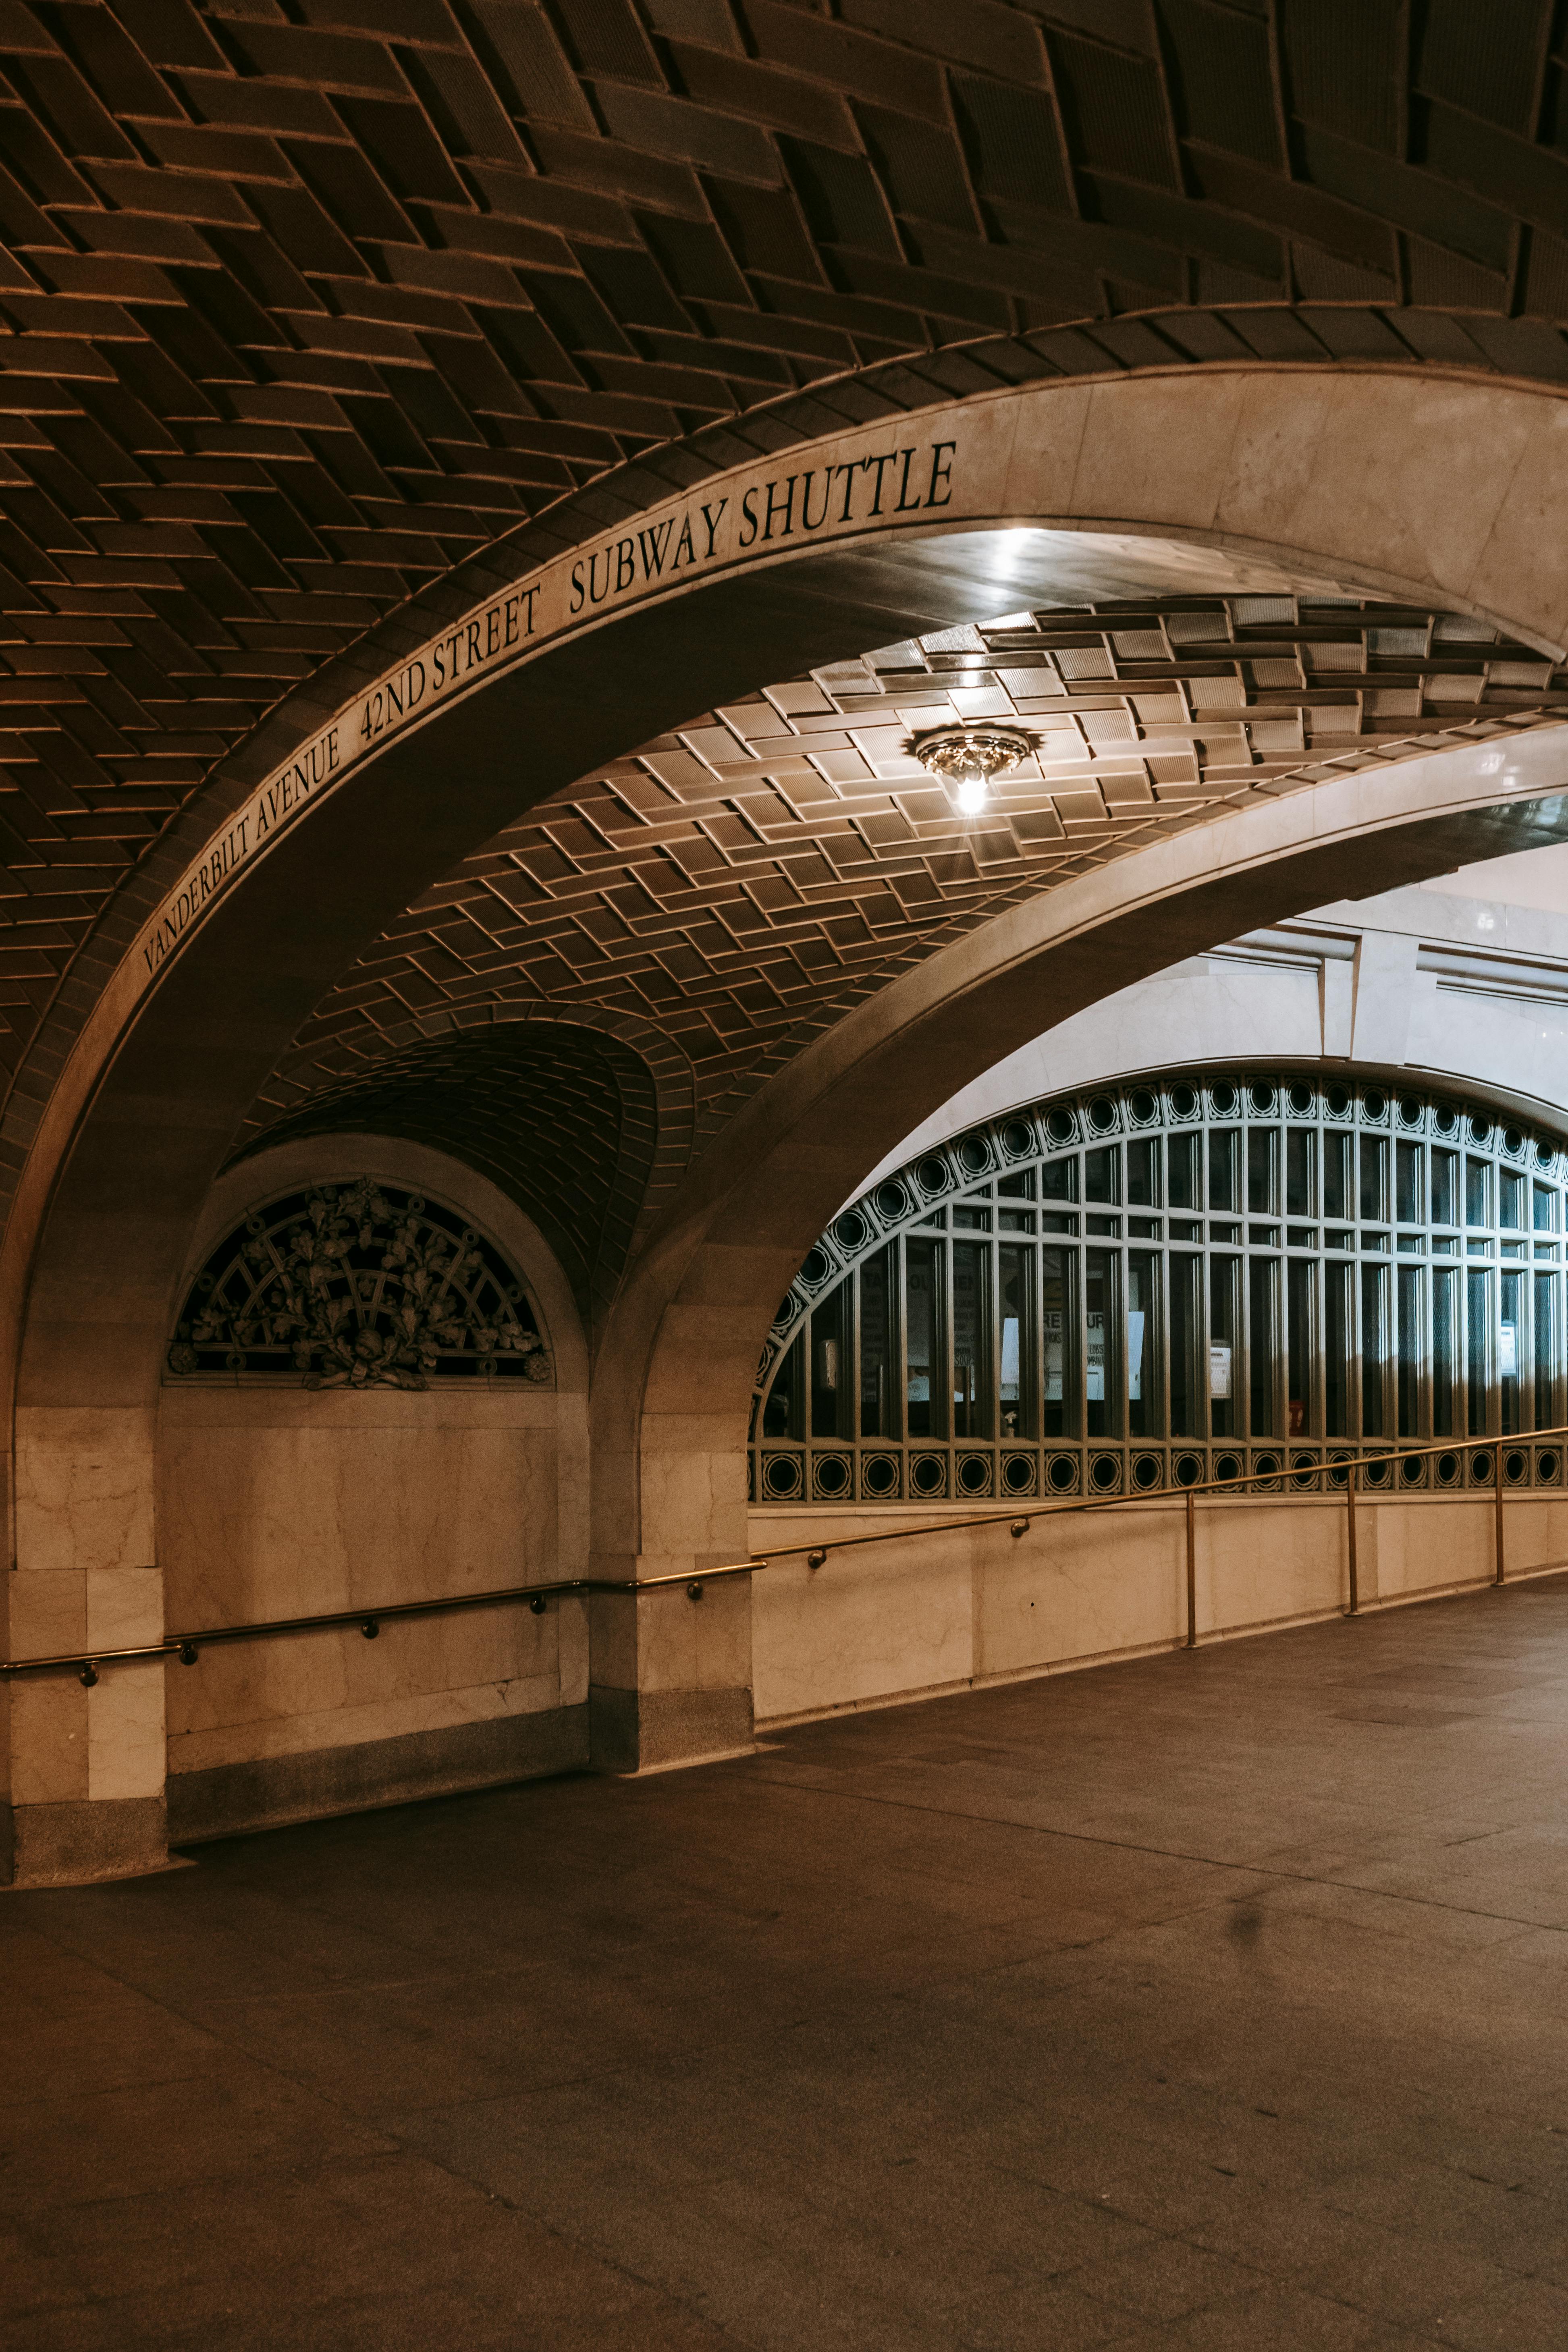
[967, 758]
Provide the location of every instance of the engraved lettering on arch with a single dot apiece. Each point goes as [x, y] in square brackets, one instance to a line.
[767, 509]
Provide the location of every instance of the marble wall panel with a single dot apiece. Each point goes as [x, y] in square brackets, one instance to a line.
[48, 1611]
[84, 1494]
[280, 1502]
[126, 1732]
[345, 1721]
[269, 1508]
[881, 1621]
[1268, 1563]
[871, 1625]
[1426, 1545]
[702, 1645]
[1079, 1588]
[693, 1493]
[50, 1740]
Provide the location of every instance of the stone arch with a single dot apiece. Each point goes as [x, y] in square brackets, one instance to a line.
[636, 1135]
[687, 1332]
[567, 1132]
[1332, 473]
[215, 956]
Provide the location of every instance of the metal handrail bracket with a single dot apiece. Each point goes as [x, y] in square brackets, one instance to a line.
[187, 1647]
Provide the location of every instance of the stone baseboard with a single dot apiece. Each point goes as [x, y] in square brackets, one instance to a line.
[226, 1799]
[640, 1731]
[63, 1845]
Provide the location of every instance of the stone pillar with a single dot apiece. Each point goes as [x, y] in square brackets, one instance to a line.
[87, 1765]
[670, 1676]
[671, 1679]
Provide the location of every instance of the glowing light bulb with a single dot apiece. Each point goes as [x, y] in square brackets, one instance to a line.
[968, 758]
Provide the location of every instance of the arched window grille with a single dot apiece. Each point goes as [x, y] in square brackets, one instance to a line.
[358, 1286]
[1174, 1280]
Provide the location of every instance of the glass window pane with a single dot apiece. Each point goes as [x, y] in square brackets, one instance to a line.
[1373, 1179]
[1102, 1173]
[1510, 1291]
[1477, 1172]
[1338, 1342]
[1015, 1284]
[1444, 1183]
[830, 1364]
[1144, 1412]
[1478, 1348]
[1545, 1350]
[1300, 1172]
[1545, 1208]
[1187, 1347]
[925, 1384]
[1222, 1167]
[1143, 1173]
[971, 1340]
[1223, 1366]
[1262, 1166]
[1445, 1346]
[1058, 1180]
[1336, 1175]
[1182, 1172]
[1262, 1341]
[1373, 1347]
[1511, 1188]
[1300, 1301]
[782, 1414]
[878, 1382]
[1059, 1333]
[1103, 1358]
[1409, 1209]
[1411, 1283]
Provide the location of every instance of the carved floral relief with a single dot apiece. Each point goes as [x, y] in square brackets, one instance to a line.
[359, 1286]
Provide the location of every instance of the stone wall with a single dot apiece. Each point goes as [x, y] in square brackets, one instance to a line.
[277, 1503]
[274, 1501]
[893, 1619]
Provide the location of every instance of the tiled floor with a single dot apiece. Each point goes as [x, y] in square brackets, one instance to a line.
[1209, 2002]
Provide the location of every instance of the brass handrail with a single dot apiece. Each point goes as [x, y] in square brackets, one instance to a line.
[187, 1647]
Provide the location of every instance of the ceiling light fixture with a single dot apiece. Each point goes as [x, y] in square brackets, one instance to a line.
[968, 758]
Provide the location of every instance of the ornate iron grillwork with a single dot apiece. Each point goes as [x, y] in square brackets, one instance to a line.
[358, 1286]
[1162, 1280]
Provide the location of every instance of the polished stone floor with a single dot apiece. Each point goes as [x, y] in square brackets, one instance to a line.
[1208, 2001]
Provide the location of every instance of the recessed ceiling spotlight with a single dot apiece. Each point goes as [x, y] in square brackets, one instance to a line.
[968, 758]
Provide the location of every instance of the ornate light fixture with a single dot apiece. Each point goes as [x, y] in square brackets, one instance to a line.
[967, 758]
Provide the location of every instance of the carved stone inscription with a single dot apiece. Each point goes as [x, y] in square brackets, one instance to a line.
[863, 483]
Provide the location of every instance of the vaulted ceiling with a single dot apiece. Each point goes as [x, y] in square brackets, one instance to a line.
[736, 884]
[730, 889]
[304, 302]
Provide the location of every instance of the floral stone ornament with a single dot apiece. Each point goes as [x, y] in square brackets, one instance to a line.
[358, 1286]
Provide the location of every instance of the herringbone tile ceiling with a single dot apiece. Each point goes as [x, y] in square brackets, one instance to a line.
[736, 885]
[305, 300]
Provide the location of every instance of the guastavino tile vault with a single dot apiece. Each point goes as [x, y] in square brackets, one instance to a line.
[660, 656]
